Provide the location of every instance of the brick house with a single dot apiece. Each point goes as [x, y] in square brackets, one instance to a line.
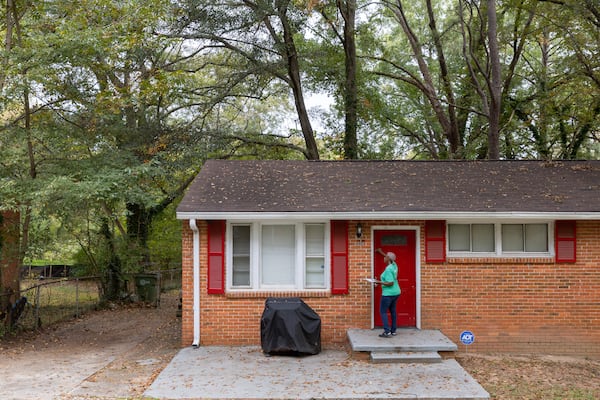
[509, 250]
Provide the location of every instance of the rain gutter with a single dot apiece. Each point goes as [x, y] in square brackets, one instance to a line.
[393, 215]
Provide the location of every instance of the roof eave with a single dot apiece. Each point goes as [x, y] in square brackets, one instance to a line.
[389, 215]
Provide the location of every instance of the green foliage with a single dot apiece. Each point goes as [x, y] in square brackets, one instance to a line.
[102, 135]
[165, 241]
[539, 117]
[125, 100]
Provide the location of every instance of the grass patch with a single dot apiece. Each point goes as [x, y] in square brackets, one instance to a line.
[533, 391]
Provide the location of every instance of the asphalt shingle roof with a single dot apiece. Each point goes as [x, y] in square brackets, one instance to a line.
[234, 186]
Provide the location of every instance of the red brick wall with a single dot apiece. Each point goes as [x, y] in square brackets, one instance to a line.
[532, 306]
[234, 318]
[513, 306]
[9, 258]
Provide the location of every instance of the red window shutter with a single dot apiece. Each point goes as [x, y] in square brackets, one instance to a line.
[339, 257]
[435, 241]
[565, 240]
[216, 257]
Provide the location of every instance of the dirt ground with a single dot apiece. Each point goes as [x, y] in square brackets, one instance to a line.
[107, 354]
[117, 353]
[534, 376]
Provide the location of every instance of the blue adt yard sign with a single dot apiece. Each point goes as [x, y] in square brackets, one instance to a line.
[467, 337]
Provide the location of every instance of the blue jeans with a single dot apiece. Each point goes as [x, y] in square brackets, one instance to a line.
[388, 303]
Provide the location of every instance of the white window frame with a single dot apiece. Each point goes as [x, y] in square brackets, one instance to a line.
[498, 253]
[255, 257]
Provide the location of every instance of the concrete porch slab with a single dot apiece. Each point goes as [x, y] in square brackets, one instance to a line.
[405, 340]
[246, 373]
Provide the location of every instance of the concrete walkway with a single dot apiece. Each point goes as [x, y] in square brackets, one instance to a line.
[247, 373]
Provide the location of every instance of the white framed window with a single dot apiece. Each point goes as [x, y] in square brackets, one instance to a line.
[499, 239]
[525, 238]
[475, 238]
[277, 256]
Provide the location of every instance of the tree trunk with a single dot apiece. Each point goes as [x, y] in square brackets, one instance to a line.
[293, 68]
[113, 281]
[453, 135]
[139, 220]
[17, 234]
[426, 85]
[495, 83]
[541, 138]
[348, 11]
[32, 175]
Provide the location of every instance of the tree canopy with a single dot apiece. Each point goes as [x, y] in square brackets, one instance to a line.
[108, 109]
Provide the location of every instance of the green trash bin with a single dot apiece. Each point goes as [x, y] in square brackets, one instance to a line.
[146, 287]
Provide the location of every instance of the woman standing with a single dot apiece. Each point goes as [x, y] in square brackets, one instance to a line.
[390, 291]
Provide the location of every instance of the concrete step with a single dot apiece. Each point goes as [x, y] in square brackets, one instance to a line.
[407, 357]
[407, 340]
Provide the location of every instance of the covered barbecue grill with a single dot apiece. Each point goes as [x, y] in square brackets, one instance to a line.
[289, 326]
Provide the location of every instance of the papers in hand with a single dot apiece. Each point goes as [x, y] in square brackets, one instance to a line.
[371, 280]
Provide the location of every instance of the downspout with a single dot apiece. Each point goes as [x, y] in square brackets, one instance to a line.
[196, 288]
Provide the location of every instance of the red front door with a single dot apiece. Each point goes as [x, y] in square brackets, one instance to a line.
[403, 244]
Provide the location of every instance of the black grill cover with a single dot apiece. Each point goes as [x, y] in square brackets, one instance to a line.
[289, 326]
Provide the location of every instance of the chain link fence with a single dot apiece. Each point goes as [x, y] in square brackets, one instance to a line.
[43, 302]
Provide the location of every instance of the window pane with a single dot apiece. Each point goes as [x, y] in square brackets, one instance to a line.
[483, 237]
[278, 254]
[315, 239]
[241, 271]
[315, 272]
[394, 240]
[241, 255]
[512, 237]
[459, 237]
[536, 237]
[315, 255]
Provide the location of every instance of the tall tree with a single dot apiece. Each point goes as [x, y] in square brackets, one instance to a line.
[106, 134]
[423, 78]
[495, 82]
[557, 103]
[348, 12]
[459, 70]
[258, 41]
[15, 46]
